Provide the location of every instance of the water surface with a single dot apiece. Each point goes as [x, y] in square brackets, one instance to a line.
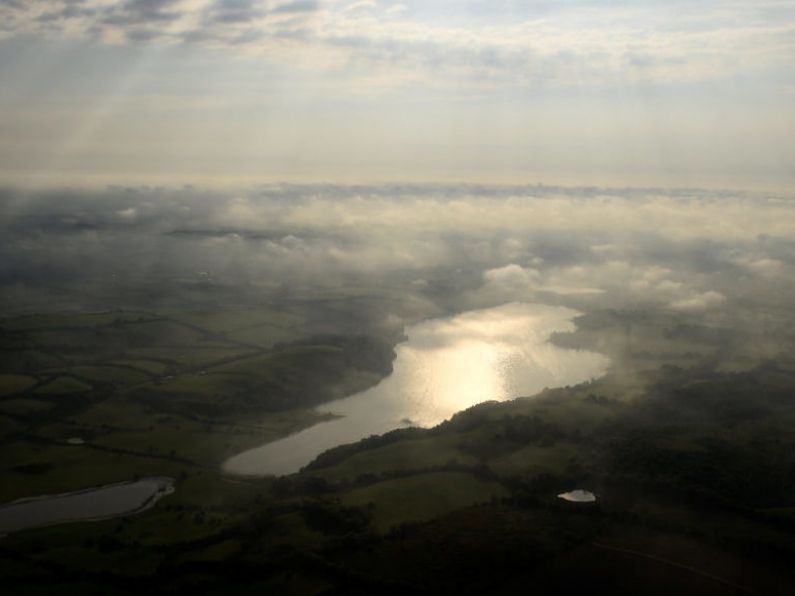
[113, 500]
[578, 496]
[445, 366]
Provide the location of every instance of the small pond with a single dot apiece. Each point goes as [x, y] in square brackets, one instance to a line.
[113, 500]
[578, 496]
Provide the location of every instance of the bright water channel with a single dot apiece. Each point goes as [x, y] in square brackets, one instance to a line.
[445, 365]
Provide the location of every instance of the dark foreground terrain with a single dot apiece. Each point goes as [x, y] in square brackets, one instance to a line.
[688, 443]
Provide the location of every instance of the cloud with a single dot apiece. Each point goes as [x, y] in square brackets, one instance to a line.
[396, 9]
[511, 277]
[507, 284]
[568, 44]
[440, 249]
[361, 5]
[296, 7]
[142, 12]
[699, 302]
[760, 265]
[234, 11]
[766, 266]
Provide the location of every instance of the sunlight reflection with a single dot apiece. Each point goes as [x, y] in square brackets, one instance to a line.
[445, 366]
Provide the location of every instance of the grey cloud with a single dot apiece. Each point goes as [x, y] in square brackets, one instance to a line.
[234, 11]
[235, 22]
[142, 12]
[142, 34]
[246, 11]
[513, 48]
[298, 6]
[16, 4]
[137, 19]
[150, 9]
[74, 10]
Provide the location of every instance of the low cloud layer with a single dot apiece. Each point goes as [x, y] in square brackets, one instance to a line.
[443, 248]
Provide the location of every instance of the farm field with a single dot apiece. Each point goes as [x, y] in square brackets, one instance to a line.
[179, 405]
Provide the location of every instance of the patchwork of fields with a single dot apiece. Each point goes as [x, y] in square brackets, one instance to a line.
[175, 394]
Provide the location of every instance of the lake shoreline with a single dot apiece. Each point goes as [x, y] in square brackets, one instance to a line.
[444, 366]
[164, 486]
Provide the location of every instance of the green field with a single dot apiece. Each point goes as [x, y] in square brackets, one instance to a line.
[63, 384]
[692, 463]
[421, 497]
[11, 384]
[151, 367]
[400, 457]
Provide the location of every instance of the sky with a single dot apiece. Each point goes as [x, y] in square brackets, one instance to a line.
[238, 92]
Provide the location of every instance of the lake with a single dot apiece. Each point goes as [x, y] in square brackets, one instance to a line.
[113, 500]
[444, 366]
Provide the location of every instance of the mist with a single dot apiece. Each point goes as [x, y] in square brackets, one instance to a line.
[440, 249]
[354, 297]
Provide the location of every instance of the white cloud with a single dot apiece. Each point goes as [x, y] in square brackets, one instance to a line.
[509, 283]
[766, 266]
[442, 248]
[128, 214]
[396, 9]
[699, 302]
[761, 265]
[511, 276]
[360, 5]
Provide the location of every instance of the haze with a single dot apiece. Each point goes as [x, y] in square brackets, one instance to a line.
[243, 91]
[354, 297]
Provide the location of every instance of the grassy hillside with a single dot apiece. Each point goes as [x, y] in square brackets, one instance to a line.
[691, 461]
